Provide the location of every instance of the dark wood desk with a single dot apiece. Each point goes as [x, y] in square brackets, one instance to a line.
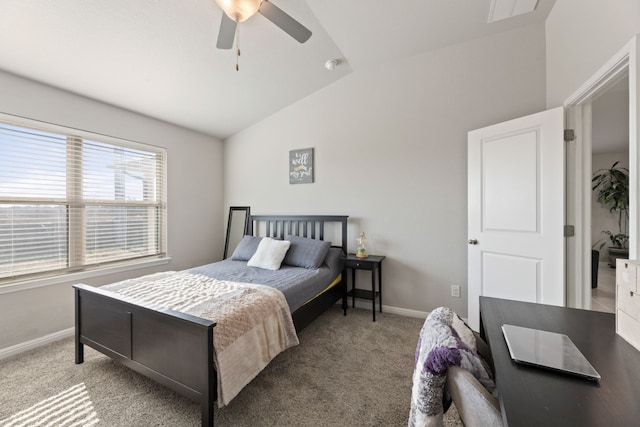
[531, 396]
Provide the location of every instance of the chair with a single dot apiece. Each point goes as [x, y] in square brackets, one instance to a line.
[452, 358]
[476, 406]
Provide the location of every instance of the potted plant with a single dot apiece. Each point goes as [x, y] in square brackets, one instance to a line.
[612, 190]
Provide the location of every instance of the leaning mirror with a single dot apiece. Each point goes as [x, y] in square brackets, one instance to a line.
[236, 227]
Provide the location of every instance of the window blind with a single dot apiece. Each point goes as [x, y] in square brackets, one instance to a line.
[73, 201]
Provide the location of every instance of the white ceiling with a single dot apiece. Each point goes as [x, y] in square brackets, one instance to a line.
[158, 57]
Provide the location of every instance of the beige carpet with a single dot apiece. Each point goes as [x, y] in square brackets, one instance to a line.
[347, 371]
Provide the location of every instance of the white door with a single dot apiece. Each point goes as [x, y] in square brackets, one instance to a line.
[516, 211]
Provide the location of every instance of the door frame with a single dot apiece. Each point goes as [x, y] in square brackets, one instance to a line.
[578, 180]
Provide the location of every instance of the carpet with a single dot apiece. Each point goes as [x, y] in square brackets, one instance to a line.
[347, 371]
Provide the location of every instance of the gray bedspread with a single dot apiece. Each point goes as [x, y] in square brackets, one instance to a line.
[297, 284]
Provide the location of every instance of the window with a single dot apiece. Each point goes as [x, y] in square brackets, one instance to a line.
[72, 201]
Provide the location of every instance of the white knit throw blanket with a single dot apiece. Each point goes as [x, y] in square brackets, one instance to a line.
[253, 321]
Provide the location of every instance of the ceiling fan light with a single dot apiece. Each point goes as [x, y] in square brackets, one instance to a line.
[239, 10]
[331, 64]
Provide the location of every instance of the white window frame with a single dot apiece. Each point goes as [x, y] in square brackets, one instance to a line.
[76, 240]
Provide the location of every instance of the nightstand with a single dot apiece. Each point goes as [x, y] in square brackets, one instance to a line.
[372, 263]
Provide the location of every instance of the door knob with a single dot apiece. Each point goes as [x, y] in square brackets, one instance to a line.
[473, 242]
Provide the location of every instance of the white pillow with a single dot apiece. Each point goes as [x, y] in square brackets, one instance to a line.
[269, 254]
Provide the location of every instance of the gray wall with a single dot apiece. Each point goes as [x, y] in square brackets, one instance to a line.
[581, 36]
[194, 198]
[391, 152]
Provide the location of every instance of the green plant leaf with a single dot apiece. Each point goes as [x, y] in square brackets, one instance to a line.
[612, 190]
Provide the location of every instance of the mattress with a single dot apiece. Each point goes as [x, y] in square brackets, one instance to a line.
[298, 284]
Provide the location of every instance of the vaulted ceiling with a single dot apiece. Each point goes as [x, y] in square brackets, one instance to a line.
[158, 57]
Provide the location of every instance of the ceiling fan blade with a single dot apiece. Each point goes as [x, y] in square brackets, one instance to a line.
[227, 32]
[284, 21]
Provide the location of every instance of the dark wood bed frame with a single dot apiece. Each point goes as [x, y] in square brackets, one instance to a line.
[176, 349]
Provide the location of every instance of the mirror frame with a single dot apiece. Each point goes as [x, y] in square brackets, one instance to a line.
[232, 210]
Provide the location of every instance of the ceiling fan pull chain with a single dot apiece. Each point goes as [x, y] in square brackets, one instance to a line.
[237, 47]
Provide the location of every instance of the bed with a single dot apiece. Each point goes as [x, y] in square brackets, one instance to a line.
[175, 348]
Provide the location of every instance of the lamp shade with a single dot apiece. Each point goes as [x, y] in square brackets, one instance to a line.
[239, 10]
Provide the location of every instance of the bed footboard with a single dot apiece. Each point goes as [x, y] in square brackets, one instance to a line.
[172, 348]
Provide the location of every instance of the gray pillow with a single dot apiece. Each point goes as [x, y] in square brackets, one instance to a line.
[246, 248]
[306, 253]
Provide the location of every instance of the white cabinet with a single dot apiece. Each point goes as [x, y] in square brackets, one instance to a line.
[628, 300]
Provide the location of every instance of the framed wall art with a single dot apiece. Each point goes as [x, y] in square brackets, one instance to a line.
[301, 166]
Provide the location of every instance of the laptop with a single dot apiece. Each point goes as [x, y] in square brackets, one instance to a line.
[548, 350]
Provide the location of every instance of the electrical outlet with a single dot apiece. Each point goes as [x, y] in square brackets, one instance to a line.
[455, 291]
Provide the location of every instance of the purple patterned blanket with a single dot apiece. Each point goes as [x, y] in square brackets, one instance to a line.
[445, 340]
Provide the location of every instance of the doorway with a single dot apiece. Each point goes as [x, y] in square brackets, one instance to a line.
[626, 63]
[610, 145]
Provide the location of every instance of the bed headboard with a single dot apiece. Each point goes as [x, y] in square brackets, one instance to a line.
[310, 226]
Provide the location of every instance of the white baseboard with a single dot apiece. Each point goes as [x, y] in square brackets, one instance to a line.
[404, 311]
[29, 345]
[366, 305]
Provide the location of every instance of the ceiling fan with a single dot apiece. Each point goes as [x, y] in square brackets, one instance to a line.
[236, 11]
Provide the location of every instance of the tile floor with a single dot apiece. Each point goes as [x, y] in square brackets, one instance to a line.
[603, 298]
